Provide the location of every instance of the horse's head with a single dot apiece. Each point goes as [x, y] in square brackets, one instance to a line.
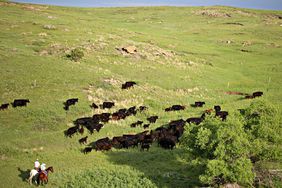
[50, 169]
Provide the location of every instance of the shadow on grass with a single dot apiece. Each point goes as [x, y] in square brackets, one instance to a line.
[24, 174]
[165, 168]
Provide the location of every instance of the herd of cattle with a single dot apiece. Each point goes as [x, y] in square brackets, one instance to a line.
[166, 136]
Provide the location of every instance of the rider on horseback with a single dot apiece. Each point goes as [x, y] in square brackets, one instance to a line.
[36, 165]
[43, 168]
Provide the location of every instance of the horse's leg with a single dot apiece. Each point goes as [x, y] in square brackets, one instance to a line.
[30, 179]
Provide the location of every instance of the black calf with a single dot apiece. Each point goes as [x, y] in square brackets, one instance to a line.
[198, 104]
[152, 119]
[70, 102]
[87, 150]
[83, 140]
[127, 85]
[94, 106]
[4, 106]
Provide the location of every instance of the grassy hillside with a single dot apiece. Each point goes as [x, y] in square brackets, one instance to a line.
[183, 55]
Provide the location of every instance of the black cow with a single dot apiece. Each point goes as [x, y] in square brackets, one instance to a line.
[222, 115]
[93, 127]
[217, 108]
[198, 104]
[167, 142]
[83, 140]
[4, 106]
[85, 121]
[142, 108]
[257, 94]
[70, 102]
[107, 105]
[131, 111]
[175, 108]
[152, 119]
[71, 131]
[145, 126]
[104, 117]
[20, 102]
[94, 106]
[196, 120]
[87, 150]
[103, 144]
[145, 146]
[136, 123]
[127, 85]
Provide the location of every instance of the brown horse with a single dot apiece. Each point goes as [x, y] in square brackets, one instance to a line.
[43, 177]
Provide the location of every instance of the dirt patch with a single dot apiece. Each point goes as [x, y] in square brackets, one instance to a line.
[49, 27]
[215, 13]
[146, 51]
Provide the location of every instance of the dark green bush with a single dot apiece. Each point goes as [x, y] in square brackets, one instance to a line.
[228, 148]
[75, 54]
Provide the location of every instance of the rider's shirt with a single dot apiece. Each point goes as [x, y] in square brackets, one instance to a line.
[36, 164]
[43, 167]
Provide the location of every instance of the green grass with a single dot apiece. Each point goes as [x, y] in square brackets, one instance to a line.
[182, 57]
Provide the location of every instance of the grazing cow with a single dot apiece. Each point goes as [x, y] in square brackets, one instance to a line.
[85, 121]
[120, 114]
[107, 105]
[219, 113]
[167, 142]
[20, 102]
[117, 140]
[87, 150]
[103, 144]
[145, 126]
[145, 146]
[70, 102]
[127, 85]
[131, 111]
[128, 142]
[83, 140]
[175, 123]
[104, 117]
[249, 97]
[152, 119]
[136, 123]
[93, 127]
[142, 108]
[4, 106]
[222, 115]
[175, 108]
[196, 120]
[198, 104]
[94, 106]
[217, 108]
[257, 94]
[71, 131]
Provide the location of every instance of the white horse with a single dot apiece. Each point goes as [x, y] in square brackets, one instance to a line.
[32, 174]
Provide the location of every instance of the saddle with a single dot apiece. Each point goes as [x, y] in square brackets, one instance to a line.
[44, 172]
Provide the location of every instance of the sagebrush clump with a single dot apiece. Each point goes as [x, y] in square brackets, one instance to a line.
[75, 54]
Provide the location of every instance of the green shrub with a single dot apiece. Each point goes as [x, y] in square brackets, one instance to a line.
[224, 148]
[262, 123]
[75, 54]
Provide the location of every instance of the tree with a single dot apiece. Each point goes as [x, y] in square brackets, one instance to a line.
[228, 149]
[224, 148]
